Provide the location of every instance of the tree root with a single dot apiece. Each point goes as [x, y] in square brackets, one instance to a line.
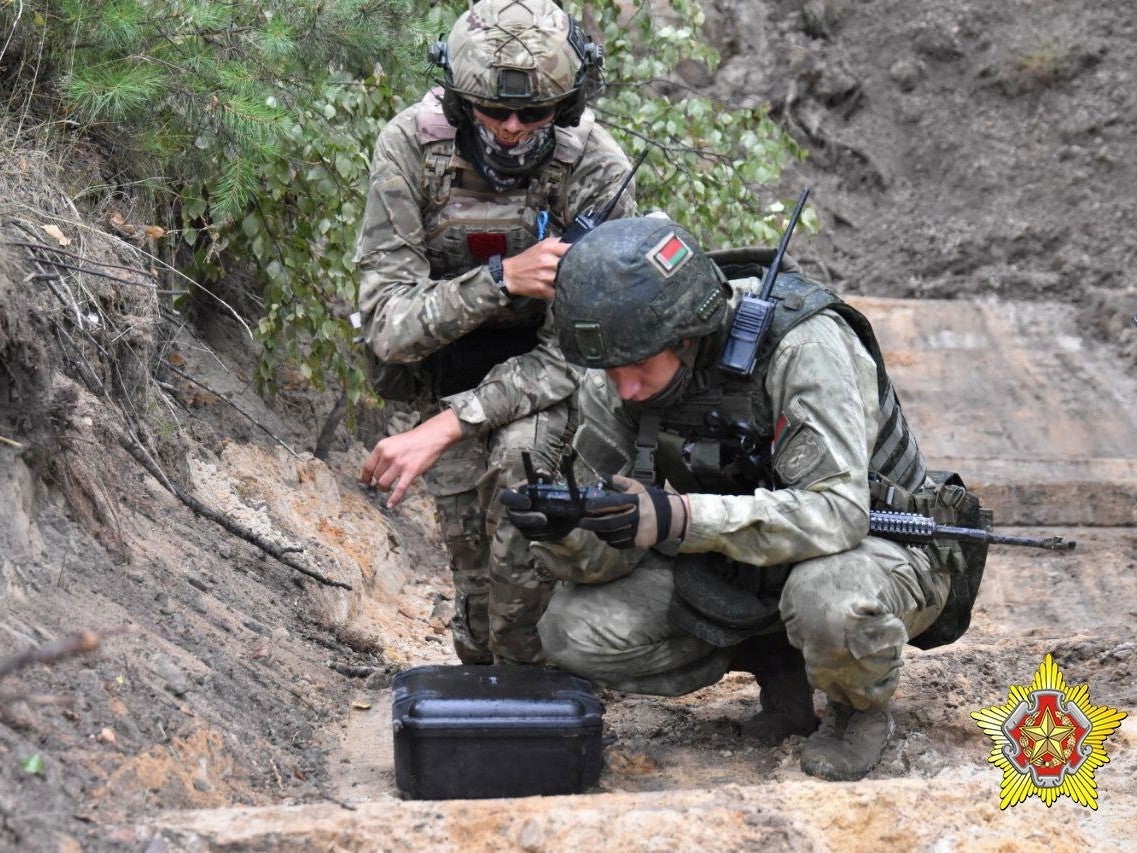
[280, 552]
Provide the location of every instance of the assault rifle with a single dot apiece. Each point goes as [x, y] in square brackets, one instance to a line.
[589, 220]
[912, 529]
[566, 502]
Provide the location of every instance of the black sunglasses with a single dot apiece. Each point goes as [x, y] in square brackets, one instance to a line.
[526, 115]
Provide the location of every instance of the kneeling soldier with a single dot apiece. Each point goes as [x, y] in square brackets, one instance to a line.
[735, 531]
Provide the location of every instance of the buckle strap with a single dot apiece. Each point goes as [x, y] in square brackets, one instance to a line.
[647, 441]
[437, 175]
[885, 494]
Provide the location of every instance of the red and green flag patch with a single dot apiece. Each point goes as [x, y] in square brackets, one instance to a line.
[669, 254]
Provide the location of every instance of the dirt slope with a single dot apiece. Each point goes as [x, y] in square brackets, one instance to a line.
[959, 150]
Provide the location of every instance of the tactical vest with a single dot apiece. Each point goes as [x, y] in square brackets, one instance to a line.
[466, 223]
[465, 226]
[718, 440]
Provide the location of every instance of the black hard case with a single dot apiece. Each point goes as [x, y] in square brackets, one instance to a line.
[471, 732]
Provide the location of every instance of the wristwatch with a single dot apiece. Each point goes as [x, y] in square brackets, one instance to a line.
[497, 273]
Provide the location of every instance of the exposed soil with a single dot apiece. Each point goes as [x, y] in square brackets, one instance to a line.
[958, 150]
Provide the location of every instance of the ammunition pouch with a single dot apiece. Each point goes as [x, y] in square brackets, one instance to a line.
[398, 382]
[947, 500]
[464, 363]
[723, 602]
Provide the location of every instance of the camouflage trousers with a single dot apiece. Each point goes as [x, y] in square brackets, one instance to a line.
[500, 589]
[850, 614]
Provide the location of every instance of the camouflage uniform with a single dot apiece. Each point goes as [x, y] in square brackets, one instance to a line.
[436, 322]
[823, 401]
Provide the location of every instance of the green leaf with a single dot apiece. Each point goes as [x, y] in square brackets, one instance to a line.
[250, 225]
[345, 165]
[33, 764]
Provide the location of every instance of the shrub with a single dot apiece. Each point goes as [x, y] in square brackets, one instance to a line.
[253, 123]
[707, 157]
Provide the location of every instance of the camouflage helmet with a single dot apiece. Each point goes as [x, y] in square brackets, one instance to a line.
[632, 288]
[519, 53]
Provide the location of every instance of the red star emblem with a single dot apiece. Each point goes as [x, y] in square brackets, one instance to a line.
[1047, 737]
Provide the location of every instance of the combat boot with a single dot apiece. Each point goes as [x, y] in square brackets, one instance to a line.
[849, 743]
[470, 629]
[785, 695]
[470, 655]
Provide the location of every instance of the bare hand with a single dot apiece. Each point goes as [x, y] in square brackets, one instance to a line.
[533, 271]
[398, 459]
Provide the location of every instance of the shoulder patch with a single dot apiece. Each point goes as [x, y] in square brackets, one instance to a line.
[804, 459]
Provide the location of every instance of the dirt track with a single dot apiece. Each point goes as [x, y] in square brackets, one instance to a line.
[682, 771]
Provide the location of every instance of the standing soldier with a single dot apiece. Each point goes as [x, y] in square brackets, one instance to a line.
[739, 538]
[469, 192]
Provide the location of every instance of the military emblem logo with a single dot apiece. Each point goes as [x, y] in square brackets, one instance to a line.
[669, 254]
[1049, 739]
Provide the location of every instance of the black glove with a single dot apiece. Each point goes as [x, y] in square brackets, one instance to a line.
[635, 515]
[534, 525]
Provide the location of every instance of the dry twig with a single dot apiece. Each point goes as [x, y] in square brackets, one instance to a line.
[235, 407]
[79, 643]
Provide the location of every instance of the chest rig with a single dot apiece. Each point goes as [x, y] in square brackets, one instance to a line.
[718, 439]
[466, 222]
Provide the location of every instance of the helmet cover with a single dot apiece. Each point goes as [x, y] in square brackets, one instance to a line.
[632, 288]
[516, 53]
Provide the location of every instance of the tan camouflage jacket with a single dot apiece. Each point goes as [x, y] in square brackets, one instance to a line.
[410, 309]
[824, 383]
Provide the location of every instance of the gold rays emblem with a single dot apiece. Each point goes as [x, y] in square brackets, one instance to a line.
[1049, 739]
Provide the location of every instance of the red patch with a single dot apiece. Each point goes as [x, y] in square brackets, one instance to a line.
[483, 245]
[779, 428]
[672, 252]
[669, 254]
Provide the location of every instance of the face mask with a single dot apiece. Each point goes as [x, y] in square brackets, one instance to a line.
[506, 168]
[519, 153]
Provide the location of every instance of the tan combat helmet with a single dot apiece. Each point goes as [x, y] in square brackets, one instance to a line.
[518, 54]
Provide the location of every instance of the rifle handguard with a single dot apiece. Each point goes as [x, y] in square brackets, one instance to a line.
[912, 529]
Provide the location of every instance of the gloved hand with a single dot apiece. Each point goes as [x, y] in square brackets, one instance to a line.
[635, 515]
[533, 525]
